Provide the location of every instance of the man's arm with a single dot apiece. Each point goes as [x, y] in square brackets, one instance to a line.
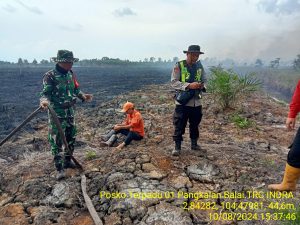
[294, 108]
[203, 78]
[175, 79]
[123, 125]
[45, 95]
[133, 123]
[78, 92]
[203, 74]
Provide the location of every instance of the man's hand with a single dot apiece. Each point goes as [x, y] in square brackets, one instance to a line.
[88, 97]
[201, 85]
[44, 104]
[117, 127]
[290, 123]
[195, 85]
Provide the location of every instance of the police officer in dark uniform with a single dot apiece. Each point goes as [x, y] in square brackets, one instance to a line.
[188, 79]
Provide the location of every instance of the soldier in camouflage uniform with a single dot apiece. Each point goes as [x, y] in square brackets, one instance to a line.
[60, 90]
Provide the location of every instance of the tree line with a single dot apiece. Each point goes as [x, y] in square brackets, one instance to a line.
[156, 61]
[276, 63]
[93, 62]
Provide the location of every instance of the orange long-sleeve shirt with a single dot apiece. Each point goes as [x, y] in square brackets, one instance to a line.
[136, 121]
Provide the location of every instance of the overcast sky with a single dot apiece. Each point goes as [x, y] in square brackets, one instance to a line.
[136, 29]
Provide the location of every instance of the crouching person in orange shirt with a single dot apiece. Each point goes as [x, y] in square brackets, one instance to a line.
[132, 128]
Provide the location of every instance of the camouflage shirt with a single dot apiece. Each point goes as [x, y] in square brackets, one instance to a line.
[61, 89]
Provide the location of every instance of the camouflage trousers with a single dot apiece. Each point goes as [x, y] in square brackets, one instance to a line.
[69, 129]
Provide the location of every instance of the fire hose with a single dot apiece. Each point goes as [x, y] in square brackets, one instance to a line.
[87, 199]
[21, 125]
[55, 119]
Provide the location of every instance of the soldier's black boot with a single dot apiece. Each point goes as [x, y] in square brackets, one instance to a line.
[194, 145]
[107, 136]
[68, 163]
[58, 161]
[177, 149]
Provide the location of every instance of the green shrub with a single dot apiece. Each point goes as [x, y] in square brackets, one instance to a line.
[241, 122]
[162, 98]
[228, 87]
[90, 155]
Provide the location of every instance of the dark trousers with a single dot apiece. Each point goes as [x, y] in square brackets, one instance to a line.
[181, 115]
[130, 135]
[293, 158]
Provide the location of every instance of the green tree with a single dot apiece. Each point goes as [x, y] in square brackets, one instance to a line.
[228, 87]
[34, 62]
[296, 63]
[105, 58]
[275, 63]
[258, 63]
[20, 62]
[4, 63]
[152, 59]
[42, 62]
[25, 62]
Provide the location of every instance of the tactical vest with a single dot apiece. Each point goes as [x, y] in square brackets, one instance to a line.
[185, 75]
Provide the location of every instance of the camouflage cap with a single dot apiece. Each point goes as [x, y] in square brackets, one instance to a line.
[64, 56]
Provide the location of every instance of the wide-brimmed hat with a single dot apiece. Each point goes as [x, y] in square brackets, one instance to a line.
[64, 56]
[193, 49]
[126, 106]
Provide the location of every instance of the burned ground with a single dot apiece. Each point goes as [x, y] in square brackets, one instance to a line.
[237, 160]
[20, 88]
